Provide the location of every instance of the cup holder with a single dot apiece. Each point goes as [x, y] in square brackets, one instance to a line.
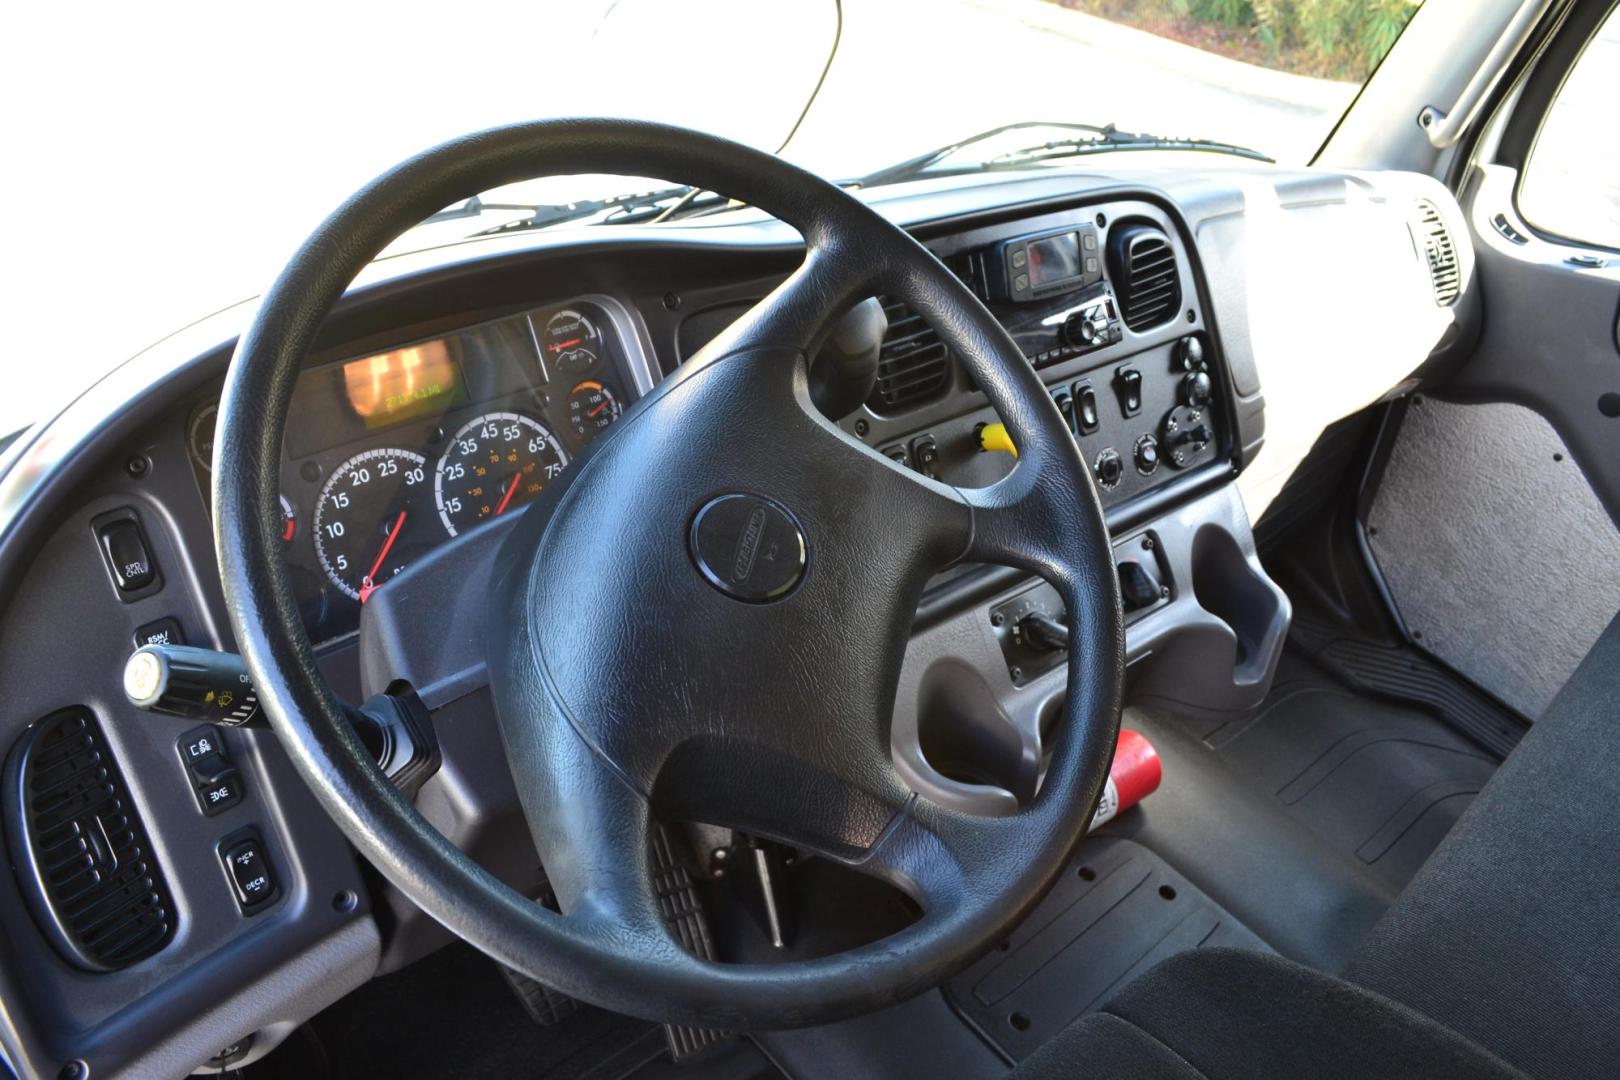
[965, 735]
[1228, 587]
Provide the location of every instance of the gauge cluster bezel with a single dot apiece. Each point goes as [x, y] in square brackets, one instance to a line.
[519, 383]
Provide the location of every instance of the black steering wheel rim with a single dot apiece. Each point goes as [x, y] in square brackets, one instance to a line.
[982, 874]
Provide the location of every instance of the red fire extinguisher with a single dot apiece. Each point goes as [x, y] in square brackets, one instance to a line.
[1134, 776]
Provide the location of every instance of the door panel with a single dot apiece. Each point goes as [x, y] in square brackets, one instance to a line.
[1549, 339]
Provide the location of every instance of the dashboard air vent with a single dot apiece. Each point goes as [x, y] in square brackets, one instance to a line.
[914, 366]
[1142, 264]
[81, 854]
[1440, 253]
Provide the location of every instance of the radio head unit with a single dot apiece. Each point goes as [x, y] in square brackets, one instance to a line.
[1046, 264]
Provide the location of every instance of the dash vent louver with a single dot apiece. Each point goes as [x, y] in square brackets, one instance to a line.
[1440, 253]
[914, 366]
[1142, 265]
[81, 854]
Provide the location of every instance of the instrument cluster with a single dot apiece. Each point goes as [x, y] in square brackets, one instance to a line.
[389, 455]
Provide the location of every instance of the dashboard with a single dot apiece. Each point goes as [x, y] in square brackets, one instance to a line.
[451, 386]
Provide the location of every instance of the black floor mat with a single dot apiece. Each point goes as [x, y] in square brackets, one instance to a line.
[1378, 781]
[1305, 817]
[453, 1015]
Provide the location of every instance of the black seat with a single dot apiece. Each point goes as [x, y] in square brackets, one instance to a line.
[1510, 934]
[1502, 955]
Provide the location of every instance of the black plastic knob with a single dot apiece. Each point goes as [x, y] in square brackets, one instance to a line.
[1147, 454]
[1078, 331]
[1110, 467]
[1196, 388]
[1190, 353]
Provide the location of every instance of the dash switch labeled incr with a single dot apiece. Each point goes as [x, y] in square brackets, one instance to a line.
[247, 866]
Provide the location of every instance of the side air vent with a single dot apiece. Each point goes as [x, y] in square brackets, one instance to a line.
[914, 367]
[1440, 253]
[81, 854]
[1142, 265]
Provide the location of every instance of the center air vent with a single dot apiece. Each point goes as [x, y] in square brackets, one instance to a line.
[914, 366]
[81, 854]
[1142, 265]
[1440, 254]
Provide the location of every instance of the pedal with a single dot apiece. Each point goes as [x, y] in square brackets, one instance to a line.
[682, 910]
[544, 1005]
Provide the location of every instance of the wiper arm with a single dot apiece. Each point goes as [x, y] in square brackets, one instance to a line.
[1111, 139]
[914, 166]
[625, 205]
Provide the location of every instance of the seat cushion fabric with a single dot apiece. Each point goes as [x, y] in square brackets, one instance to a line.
[1228, 1013]
[1510, 933]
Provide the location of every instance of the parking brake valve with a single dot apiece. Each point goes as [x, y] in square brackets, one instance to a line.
[1044, 632]
[198, 684]
[1138, 588]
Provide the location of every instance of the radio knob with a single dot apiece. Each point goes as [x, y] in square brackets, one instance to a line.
[1079, 331]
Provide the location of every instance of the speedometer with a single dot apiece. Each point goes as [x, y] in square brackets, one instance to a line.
[495, 463]
[373, 518]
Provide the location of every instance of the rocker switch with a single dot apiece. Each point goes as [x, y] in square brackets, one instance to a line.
[1086, 420]
[1128, 384]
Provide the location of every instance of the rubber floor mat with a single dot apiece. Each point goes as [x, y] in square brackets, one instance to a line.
[1378, 781]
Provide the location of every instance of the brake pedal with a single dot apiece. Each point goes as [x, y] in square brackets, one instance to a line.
[544, 1005]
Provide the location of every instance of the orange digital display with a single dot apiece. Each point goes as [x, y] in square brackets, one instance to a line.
[404, 383]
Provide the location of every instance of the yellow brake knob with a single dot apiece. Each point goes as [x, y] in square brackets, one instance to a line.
[995, 437]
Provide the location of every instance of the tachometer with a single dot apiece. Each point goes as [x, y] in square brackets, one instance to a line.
[495, 463]
[591, 408]
[571, 342]
[373, 518]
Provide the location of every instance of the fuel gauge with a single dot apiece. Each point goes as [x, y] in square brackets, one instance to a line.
[571, 342]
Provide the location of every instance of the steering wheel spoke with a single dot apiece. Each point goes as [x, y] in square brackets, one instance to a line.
[793, 315]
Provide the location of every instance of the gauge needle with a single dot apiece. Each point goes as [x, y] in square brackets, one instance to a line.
[598, 410]
[506, 500]
[368, 583]
[561, 345]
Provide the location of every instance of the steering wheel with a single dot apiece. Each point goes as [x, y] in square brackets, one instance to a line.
[752, 573]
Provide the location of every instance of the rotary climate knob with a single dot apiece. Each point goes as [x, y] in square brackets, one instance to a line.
[1190, 353]
[1195, 388]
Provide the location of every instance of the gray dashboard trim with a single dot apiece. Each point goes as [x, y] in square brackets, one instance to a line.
[273, 1005]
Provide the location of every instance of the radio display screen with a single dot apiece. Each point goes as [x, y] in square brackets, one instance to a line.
[1053, 259]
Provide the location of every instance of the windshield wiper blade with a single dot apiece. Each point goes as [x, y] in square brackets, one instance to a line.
[623, 205]
[1111, 139]
[915, 166]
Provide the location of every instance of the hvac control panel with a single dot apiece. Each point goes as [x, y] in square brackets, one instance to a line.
[1139, 421]
[1145, 418]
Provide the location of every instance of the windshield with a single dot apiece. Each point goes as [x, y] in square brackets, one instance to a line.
[178, 153]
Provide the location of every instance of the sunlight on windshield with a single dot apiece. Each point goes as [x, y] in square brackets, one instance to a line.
[178, 155]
